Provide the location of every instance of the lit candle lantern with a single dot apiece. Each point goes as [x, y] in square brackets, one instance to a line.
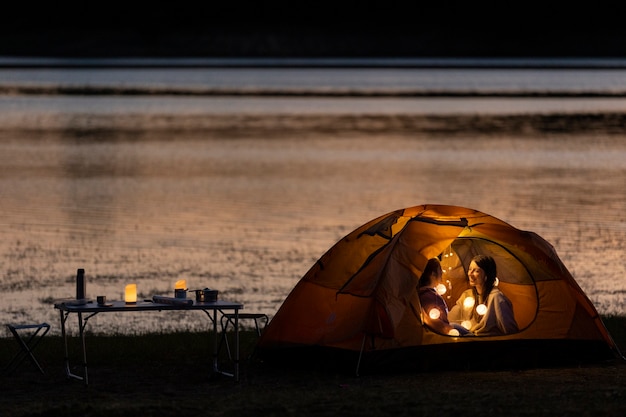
[180, 289]
[130, 294]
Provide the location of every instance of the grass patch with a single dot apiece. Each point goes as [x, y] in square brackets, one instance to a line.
[169, 374]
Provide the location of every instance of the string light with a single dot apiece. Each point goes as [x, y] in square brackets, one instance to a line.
[469, 302]
[446, 268]
[454, 332]
[467, 324]
[434, 313]
[441, 289]
[481, 309]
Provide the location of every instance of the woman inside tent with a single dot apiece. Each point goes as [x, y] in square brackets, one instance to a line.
[433, 305]
[484, 309]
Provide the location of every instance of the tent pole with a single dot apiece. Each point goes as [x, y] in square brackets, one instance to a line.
[358, 364]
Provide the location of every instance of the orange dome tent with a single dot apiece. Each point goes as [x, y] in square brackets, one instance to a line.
[360, 299]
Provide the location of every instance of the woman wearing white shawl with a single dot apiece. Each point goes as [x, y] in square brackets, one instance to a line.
[484, 309]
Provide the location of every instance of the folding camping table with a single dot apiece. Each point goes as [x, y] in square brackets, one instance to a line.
[88, 310]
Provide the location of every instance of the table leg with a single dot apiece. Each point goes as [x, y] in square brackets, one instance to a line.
[216, 368]
[214, 319]
[237, 345]
[81, 327]
[66, 350]
[68, 371]
[82, 338]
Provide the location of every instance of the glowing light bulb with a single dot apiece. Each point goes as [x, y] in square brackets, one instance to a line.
[454, 332]
[467, 324]
[469, 302]
[441, 289]
[481, 309]
[434, 313]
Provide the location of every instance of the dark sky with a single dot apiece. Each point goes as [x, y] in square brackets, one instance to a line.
[323, 28]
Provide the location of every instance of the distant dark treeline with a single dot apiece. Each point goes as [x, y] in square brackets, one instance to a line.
[237, 28]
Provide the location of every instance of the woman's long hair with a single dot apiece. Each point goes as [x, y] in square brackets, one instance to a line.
[432, 266]
[487, 264]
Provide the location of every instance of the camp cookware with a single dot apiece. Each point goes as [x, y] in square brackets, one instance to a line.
[206, 295]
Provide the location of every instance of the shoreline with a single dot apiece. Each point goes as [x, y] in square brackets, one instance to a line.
[260, 125]
[434, 62]
[251, 92]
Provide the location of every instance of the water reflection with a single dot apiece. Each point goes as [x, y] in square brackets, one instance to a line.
[250, 216]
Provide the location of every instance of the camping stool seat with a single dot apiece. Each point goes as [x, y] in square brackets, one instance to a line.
[228, 319]
[32, 335]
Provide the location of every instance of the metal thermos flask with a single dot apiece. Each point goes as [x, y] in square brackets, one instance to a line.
[80, 284]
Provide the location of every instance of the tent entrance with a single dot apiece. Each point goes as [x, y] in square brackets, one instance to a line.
[515, 279]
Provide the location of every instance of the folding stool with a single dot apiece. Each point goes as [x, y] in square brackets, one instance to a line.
[228, 319]
[27, 345]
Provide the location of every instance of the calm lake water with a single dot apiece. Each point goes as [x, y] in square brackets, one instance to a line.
[249, 215]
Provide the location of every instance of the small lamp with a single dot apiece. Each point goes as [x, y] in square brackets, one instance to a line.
[130, 294]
